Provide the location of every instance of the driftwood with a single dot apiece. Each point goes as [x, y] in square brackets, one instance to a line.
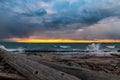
[82, 73]
[34, 70]
[1, 67]
[9, 76]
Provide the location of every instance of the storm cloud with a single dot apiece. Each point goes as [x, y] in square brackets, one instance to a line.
[59, 19]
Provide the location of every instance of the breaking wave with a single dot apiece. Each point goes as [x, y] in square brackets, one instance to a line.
[20, 50]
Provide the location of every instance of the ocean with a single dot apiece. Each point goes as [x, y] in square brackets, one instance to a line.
[74, 47]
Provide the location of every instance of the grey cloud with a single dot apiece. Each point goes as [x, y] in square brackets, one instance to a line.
[102, 31]
[39, 12]
[15, 24]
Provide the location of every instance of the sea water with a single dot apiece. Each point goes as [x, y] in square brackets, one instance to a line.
[89, 47]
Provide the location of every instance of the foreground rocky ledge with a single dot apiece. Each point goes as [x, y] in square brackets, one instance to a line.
[52, 67]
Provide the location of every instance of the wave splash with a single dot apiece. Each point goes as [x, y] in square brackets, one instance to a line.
[19, 50]
[95, 48]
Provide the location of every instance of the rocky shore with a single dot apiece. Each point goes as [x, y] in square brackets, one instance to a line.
[105, 64]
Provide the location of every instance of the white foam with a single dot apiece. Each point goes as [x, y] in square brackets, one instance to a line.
[3, 47]
[93, 47]
[20, 50]
[64, 46]
[111, 47]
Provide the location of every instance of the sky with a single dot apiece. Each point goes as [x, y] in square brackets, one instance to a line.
[59, 19]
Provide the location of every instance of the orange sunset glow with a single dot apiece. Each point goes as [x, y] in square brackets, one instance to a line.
[62, 40]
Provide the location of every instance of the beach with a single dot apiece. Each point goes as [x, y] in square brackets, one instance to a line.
[105, 64]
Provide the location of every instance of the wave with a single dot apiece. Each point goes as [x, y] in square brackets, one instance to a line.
[20, 49]
[64, 47]
[111, 47]
[3, 47]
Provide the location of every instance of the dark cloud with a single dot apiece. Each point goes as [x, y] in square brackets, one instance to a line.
[86, 17]
[22, 18]
[39, 12]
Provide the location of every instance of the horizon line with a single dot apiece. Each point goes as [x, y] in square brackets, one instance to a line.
[63, 40]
